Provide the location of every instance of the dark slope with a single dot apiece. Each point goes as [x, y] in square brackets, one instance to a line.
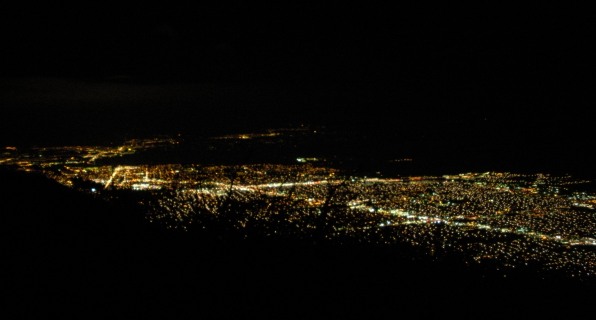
[58, 245]
[69, 253]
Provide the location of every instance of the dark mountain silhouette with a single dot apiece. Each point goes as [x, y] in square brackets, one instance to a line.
[66, 252]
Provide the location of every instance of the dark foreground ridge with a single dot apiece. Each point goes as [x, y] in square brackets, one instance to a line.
[69, 253]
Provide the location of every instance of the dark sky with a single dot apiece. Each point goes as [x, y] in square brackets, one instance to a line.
[519, 71]
[302, 42]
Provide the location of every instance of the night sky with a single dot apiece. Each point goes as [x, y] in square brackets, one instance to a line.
[502, 80]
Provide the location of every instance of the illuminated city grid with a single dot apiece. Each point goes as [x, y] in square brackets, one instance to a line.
[515, 220]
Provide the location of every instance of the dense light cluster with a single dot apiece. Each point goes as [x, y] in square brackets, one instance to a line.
[511, 220]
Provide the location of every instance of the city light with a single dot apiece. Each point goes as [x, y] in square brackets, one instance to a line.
[516, 219]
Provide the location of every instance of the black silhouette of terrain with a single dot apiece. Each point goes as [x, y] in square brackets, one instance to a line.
[66, 252]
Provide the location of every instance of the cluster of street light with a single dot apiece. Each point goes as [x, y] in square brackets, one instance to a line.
[516, 220]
